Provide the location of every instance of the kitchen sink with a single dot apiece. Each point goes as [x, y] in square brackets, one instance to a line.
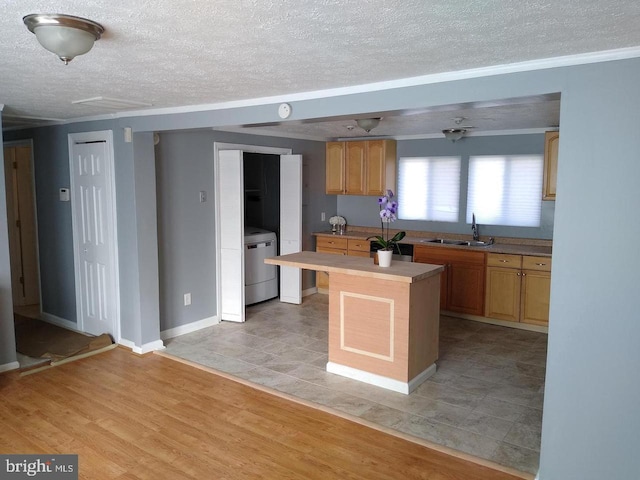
[444, 241]
[476, 243]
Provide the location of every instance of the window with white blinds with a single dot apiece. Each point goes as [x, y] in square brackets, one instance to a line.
[429, 188]
[505, 190]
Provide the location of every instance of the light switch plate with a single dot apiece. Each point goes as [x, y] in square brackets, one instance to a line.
[64, 195]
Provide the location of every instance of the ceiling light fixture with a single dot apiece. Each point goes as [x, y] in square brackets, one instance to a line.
[454, 134]
[368, 124]
[65, 35]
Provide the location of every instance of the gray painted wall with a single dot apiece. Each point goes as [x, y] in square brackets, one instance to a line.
[591, 424]
[186, 227]
[186, 234]
[147, 235]
[7, 337]
[363, 211]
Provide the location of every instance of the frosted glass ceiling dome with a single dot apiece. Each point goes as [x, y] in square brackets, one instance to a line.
[65, 35]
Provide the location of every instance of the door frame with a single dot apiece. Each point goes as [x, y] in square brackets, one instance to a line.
[96, 136]
[217, 146]
[29, 143]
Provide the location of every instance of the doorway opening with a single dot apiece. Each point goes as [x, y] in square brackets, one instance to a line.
[261, 179]
[21, 223]
[23, 235]
[230, 225]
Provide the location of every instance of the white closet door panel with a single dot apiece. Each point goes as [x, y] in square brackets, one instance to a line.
[232, 296]
[231, 211]
[290, 225]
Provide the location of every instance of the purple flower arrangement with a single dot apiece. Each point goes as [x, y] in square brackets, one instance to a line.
[388, 213]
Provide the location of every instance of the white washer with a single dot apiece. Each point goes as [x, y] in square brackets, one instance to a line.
[260, 279]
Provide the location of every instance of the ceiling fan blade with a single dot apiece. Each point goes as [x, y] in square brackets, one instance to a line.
[257, 125]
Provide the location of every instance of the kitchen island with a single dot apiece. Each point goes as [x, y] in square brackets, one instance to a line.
[383, 322]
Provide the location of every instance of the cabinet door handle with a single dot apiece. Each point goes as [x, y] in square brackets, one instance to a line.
[524, 274]
[504, 261]
[541, 264]
[518, 274]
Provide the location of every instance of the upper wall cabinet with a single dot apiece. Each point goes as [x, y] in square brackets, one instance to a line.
[551, 140]
[335, 168]
[361, 167]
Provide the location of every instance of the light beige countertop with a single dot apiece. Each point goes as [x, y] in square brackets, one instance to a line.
[406, 272]
[513, 246]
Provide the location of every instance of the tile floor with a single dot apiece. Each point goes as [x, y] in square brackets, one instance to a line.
[485, 399]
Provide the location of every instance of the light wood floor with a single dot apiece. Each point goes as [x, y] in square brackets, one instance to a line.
[150, 417]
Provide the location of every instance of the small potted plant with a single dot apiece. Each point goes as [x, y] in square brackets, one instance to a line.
[388, 210]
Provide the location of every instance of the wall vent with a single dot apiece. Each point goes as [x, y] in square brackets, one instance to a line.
[111, 103]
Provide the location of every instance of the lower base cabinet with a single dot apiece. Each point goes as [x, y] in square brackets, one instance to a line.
[518, 288]
[338, 246]
[462, 282]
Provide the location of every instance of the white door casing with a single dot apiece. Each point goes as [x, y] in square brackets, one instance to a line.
[91, 162]
[231, 225]
[290, 225]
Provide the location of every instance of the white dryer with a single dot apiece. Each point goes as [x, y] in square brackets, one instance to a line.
[260, 279]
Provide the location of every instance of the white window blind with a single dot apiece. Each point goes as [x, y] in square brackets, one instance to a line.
[505, 190]
[429, 188]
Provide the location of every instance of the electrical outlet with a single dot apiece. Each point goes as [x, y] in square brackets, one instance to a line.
[203, 196]
[323, 216]
[187, 299]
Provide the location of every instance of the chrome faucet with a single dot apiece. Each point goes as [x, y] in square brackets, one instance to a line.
[474, 228]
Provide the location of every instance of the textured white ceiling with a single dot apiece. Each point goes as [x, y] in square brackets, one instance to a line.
[172, 53]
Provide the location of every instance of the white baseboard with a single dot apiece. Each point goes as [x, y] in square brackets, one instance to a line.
[146, 348]
[379, 380]
[60, 322]
[496, 321]
[9, 366]
[189, 327]
[416, 381]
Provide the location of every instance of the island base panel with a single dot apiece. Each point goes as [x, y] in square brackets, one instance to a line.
[383, 328]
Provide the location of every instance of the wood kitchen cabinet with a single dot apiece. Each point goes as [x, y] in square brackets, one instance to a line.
[518, 288]
[551, 140]
[335, 168]
[463, 279]
[360, 167]
[355, 168]
[338, 246]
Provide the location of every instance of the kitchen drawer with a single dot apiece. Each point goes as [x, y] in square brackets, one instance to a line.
[331, 242]
[504, 260]
[542, 264]
[334, 251]
[356, 246]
